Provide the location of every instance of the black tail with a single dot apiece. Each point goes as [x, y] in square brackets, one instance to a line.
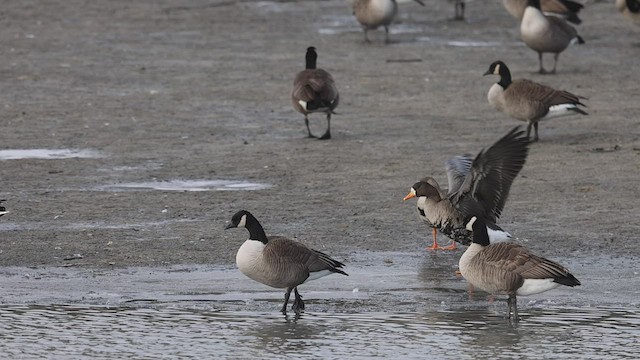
[579, 111]
[567, 280]
[580, 39]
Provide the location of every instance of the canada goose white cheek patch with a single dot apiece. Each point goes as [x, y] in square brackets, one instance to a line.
[303, 104]
[470, 223]
[243, 221]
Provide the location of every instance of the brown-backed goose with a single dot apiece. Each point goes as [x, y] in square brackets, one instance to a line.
[546, 34]
[508, 268]
[374, 13]
[477, 185]
[529, 101]
[279, 262]
[314, 91]
[565, 8]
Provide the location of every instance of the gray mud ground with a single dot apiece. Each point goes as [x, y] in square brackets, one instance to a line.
[199, 90]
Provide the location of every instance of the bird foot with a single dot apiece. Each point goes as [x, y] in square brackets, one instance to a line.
[434, 247]
[297, 306]
[450, 247]
[326, 136]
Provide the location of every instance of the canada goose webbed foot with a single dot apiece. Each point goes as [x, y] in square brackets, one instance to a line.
[453, 246]
[298, 304]
[326, 136]
[434, 247]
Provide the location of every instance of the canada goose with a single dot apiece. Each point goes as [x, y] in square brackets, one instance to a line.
[279, 262]
[3, 210]
[373, 13]
[477, 185]
[630, 9]
[529, 101]
[508, 268]
[546, 34]
[314, 91]
[565, 8]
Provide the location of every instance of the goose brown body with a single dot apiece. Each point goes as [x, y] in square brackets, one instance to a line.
[565, 8]
[314, 90]
[630, 9]
[529, 101]
[546, 34]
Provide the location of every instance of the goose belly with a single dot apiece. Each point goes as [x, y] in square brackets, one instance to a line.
[377, 12]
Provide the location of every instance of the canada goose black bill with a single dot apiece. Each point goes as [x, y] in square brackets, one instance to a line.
[279, 262]
[476, 185]
[374, 13]
[529, 101]
[314, 91]
[566, 9]
[546, 34]
[3, 210]
[508, 268]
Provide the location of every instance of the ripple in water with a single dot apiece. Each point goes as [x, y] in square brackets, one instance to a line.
[73, 331]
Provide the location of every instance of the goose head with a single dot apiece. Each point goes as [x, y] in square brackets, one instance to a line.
[426, 187]
[239, 219]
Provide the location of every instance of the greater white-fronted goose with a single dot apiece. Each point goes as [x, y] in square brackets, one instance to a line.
[477, 185]
[508, 268]
[374, 13]
[279, 262]
[630, 9]
[546, 34]
[529, 101]
[565, 8]
[314, 91]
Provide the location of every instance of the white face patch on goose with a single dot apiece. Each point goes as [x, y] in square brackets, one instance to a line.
[496, 70]
[303, 104]
[243, 221]
[470, 223]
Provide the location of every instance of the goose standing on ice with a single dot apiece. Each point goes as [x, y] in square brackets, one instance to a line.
[508, 268]
[374, 13]
[279, 262]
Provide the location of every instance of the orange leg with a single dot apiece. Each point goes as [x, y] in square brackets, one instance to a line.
[450, 247]
[435, 245]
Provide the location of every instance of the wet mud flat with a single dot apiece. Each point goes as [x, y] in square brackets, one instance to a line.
[132, 132]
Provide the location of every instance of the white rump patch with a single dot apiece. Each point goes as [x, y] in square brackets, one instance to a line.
[536, 286]
[318, 274]
[560, 110]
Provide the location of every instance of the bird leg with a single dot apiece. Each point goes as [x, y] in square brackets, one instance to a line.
[555, 62]
[529, 124]
[306, 122]
[366, 36]
[386, 34]
[286, 300]
[298, 304]
[542, 70]
[327, 134]
[513, 307]
[435, 245]
[535, 128]
[460, 6]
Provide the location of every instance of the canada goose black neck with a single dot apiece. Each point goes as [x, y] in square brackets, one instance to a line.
[311, 58]
[480, 234]
[534, 3]
[245, 219]
[505, 75]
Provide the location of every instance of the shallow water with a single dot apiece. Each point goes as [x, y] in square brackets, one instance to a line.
[47, 154]
[392, 305]
[76, 331]
[187, 185]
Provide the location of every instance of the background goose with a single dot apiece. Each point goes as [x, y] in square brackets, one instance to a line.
[477, 185]
[630, 9]
[565, 8]
[458, 6]
[529, 101]
[373, 13]
[279, 262]
[314, 91]
[546, 34]
[3, 210]
[508, 268]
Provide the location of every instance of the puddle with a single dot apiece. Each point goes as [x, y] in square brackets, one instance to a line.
[187, 185]
[461, 43]
[16, 154]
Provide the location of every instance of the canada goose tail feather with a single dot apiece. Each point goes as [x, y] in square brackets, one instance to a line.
[579, 111]
[567, 280]
[326, 262]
